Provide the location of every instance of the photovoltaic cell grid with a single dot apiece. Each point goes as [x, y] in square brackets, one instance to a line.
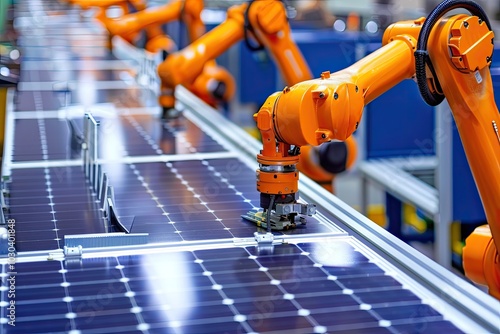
[48, 203]
[128, 135]
[55, 97]
[182, 200]
[191, 200]
[314, 287]
[59, 78]
[41, 139]
[25, 100]
[34, 50]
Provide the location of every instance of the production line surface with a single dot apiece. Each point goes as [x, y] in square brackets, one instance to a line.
[303, 287]
[180, 185]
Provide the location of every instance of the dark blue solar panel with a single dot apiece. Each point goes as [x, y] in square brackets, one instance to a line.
[190, 200]
[25, 100]
[50, 203]
[185, 200]
[136, 135]
[216, 291]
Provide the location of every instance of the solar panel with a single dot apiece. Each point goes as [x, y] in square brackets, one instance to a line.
[25, 100]
[48, 203]
[304, 288]
[199, 199]
[129, 135]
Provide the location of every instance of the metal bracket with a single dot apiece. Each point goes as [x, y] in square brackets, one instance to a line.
[112, 217]
[73, 251]
[300, 208]
[90, 149]
[77, 138]
[264, 238]
[64, 88]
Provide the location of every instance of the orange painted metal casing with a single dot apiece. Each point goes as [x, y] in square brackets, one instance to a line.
[211, 76]
[319, 110]
[460, 49]
[159, 42]
[277, 183]
[104, 5]
[272, 155]
[270, 28]
[182, 68]
[86, 4]
[482, 261]
[466, 81]
[151, 19]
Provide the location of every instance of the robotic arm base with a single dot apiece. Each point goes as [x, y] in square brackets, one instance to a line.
[481, 260]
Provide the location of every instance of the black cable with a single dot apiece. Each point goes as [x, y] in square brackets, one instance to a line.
[422, 56]
[247, 27]
[268, 213]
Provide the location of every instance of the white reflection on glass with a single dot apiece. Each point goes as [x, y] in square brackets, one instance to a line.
[335, 254]
[169, 276]
[86, 89]
[112, 138]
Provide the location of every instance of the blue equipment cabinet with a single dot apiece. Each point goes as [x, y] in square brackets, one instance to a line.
[323, 50]
[399, 122]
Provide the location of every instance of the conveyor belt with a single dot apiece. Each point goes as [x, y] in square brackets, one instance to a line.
[186, 185]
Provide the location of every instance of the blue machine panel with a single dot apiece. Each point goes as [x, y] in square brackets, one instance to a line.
[399, 122]
[323, 50]
[467, 206]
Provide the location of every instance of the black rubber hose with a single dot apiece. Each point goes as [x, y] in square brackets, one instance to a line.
[248, 28]
[268, 213]
[422, 56]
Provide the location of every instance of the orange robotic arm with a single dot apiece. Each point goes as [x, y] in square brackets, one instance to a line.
[211, 77]
[152, 18]
[86, 4]
[266, 20]
[458, 56]
[104, 5]
[188, 11]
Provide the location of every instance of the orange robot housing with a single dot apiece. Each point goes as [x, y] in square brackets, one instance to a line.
[450, 58]
[264, 21]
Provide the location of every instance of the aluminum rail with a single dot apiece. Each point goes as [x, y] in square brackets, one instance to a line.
[400, 183]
